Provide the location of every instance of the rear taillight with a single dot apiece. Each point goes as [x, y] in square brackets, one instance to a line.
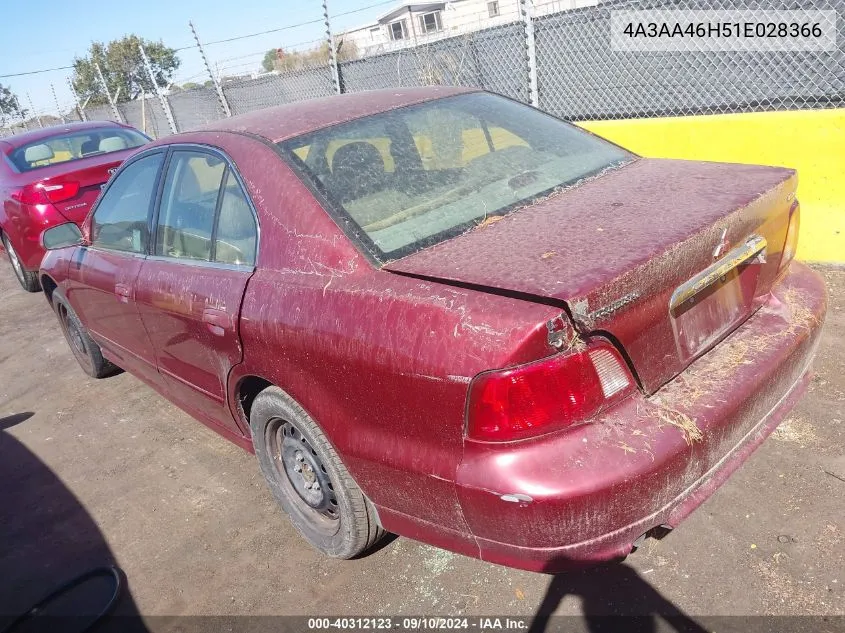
[790, 245]
[30, 194]
[547, 395]
[61, 191]
[44, 193]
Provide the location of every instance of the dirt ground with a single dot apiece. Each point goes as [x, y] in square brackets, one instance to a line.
[98, 471]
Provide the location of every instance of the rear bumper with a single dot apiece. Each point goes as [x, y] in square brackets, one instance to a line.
[595, 489]
[25, 234]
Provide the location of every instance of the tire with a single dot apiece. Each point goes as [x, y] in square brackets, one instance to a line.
[87, 353]
[28, 279]
[335, 517]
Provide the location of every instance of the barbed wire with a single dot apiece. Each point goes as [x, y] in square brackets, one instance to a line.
[221, 41]
[576, 74]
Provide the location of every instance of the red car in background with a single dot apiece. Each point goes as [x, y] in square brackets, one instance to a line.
[52, 175]
[445, 314]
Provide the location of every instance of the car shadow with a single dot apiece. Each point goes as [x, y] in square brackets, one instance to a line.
[614, 597]
[48, 538]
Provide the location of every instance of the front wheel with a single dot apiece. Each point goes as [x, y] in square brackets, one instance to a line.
[308, 479]
[28, 279]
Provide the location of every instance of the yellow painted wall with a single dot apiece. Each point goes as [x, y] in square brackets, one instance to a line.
[811, 141]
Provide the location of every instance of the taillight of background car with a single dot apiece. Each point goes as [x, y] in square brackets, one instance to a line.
[45, 193]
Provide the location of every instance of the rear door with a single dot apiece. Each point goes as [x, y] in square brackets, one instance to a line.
[102, 276]
[190, 289]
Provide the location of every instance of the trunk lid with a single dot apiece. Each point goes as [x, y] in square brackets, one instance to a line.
[90, 174]
[665, 256]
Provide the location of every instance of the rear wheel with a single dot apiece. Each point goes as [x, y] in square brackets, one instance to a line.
[85, 350]
[308, 479]
[28, 279]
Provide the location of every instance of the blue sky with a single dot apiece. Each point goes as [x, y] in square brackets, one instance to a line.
[59, 30]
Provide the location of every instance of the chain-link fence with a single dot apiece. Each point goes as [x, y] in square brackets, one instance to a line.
[493, 59]
[555, 54]
[581, 77]
[275, 88]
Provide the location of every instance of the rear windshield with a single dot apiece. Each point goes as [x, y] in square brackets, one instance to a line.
[64, 148]
[409, 178]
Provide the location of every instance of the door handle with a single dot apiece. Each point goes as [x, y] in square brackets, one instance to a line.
[123, 292]
[216, 320]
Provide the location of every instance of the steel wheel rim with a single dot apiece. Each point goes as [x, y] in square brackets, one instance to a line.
[303, 474]
[75, 340]
[13, 257]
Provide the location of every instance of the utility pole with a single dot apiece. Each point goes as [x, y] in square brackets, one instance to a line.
[79, 109]
[118, 117]
[332, 53]
[220, 95]
[165, 104]
[32, 110]
[58, 107]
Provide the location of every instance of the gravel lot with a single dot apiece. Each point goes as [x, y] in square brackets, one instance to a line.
[99, 471]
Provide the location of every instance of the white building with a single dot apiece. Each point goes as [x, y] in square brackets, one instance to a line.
[412, 23]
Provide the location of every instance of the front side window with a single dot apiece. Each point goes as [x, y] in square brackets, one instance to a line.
[188, 205]
[418, 175]
[121, 218]
[493, 8]
[69, 147]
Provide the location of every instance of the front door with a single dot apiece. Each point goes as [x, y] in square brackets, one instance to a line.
[189, 291]
[102, 276]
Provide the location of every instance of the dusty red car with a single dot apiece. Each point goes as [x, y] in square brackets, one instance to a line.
[52, 175]
[445, 314]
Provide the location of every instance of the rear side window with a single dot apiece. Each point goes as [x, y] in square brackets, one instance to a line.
[236, 230]
[69, 147]
[188, 205]
[120, 221]
[204, 214]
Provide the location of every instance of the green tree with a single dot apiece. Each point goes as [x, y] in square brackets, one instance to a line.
[123, 69]
[269, 61]
[9, 107]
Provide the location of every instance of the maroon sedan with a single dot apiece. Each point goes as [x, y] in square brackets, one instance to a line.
[52, 175]
[445, 314]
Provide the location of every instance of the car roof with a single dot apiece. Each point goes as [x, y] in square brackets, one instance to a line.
[293, 119]
[25, 138]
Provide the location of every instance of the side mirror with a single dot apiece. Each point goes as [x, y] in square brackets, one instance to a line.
[62, 236]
